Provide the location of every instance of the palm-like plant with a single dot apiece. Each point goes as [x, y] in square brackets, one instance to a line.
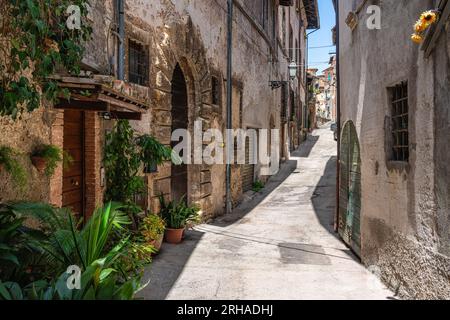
[66, 245]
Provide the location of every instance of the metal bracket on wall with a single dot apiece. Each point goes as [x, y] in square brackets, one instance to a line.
[276, 84]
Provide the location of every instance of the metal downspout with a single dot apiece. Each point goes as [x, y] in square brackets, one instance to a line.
[229, 206]
[121, 52]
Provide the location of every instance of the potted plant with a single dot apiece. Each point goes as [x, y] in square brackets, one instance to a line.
[9, 163]
[154, 153]
[46, 158]
[152, 230]
[177, 215]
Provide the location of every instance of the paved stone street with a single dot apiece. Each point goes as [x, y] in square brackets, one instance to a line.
[277, 245]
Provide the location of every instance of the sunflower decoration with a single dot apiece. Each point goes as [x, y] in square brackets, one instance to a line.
[425, 21]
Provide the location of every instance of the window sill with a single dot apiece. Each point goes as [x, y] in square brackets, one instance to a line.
[400, 166]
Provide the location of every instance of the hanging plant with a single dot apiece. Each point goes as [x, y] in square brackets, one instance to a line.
[426, 19]
[47, 157]
[10, 164]
[35, 41]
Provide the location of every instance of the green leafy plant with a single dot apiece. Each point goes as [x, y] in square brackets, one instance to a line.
[152, 228]
[35, 43]
[258, 186]
[177, 214]
[97, 283]
[154, 153]
[135, 257]
[122, 163]
[17, 248]
[98, 247]
[10, 163]
[53, 155]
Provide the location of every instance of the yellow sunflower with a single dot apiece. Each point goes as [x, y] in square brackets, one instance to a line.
[417, 38]
[420, 27]
[428, 17]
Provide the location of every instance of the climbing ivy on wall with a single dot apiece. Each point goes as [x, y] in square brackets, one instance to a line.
[35, 41]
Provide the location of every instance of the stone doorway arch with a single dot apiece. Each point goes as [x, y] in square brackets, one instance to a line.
[180, 120]
[178, 49]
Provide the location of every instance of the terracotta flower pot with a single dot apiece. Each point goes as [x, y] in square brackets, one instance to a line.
[158, 243]
[174, 236]
[40, 163]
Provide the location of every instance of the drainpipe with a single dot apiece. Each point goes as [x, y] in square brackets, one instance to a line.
[229, 206]
[338, 116]
[120, 7]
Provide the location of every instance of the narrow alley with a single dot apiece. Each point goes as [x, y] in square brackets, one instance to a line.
[247, 255]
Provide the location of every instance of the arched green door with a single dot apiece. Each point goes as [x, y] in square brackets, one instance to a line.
[350, 188]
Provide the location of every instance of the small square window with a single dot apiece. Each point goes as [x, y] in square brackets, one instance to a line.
[137, 63]
[400, 122]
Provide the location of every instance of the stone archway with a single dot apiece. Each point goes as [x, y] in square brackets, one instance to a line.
[178, 49]
[180, 120]
[350, 188]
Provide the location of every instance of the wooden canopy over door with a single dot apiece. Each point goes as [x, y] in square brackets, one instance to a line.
[73, 176]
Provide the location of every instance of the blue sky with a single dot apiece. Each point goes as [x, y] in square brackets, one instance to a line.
[319, 57]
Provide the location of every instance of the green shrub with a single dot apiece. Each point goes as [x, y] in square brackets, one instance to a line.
[152, 228]
[98, 247]
[258, 186]
[8, 159]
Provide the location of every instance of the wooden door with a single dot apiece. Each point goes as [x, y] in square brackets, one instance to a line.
[350, 188]
[180, 114]
[248, 170]
[73, 176]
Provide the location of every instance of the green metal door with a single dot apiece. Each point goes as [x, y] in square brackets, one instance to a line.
[350, 188]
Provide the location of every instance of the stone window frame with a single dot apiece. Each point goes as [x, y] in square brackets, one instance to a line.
[145, 51]
[391, 163]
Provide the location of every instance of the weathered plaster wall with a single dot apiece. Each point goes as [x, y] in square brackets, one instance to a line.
[24, 135]
[399, 222]
[193, 33]
[442, 146]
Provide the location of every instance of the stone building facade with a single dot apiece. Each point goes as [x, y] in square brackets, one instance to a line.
[175, 71]
[394, 176]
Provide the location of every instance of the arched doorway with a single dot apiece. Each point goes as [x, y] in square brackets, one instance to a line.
[180, 120]
[350, 188]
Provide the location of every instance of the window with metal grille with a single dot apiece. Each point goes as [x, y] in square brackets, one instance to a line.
[137, 63]
[400, 122]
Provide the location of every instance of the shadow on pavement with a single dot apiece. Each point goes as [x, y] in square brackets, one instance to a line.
[324, 204]
[305, 149]
[245, 207]
[168, 266]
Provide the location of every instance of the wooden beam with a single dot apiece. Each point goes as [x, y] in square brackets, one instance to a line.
[82, 105]
[126, 115]
[118, 103]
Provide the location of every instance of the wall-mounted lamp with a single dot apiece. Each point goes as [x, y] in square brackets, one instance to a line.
[293, 68]
[276, 84]
[106, 115]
